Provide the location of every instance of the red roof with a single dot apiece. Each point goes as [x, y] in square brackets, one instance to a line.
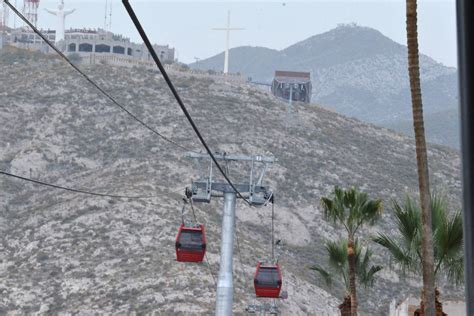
[292, 74]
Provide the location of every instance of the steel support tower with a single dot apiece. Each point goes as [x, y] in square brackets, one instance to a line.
[252, 190]
[3, 15]
[30, 11]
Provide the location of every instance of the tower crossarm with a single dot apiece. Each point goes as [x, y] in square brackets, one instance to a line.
[255, 194]
[253, 191]
[218, 156]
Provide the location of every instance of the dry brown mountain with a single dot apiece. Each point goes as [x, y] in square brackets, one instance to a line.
[64, 252]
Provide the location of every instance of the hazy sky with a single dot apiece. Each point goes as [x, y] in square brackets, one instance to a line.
[186, 25]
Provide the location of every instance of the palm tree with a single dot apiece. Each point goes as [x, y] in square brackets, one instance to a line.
[352, 209]
[421, 157]
[406, 249]
[339, 264]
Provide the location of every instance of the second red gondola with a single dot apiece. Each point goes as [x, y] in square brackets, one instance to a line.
[190, 244]
[267, 280]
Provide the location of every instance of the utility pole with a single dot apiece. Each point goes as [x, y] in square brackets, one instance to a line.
[227, 41]
[105, 15]
[252, 189]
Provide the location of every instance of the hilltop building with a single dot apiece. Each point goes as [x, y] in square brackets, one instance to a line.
[292, 85]
[91, 46]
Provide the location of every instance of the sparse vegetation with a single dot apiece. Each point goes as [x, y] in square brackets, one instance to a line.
[337, 252]
[68, 134]
[406, 248]
[352, 210]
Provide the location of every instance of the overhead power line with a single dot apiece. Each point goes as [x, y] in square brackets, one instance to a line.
[205, 254]
[123, 108]
[115, 196]
[158, 63]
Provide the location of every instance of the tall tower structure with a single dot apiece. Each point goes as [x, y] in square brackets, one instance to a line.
[3, 15]
[30, 10]
[2, 9]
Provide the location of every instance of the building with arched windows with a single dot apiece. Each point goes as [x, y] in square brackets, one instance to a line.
[92, 46]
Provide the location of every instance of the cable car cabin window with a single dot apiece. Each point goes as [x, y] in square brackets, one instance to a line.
[268, 277]
[191, 240]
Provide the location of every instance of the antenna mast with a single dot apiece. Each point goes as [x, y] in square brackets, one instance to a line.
[3, 15]
[110, 17]
[30, 10]
[105, 15]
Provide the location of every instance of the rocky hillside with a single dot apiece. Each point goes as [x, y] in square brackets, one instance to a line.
[442, 126]
[356, 70]
[64, 252]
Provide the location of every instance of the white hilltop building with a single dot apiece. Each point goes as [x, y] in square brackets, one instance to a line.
[89, 46]
[92, 46]
[98, 45]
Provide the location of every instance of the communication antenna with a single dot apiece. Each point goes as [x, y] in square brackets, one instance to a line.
[3, 15]
[30, 10]
[105, 15]
[14, 16]
[110, 17]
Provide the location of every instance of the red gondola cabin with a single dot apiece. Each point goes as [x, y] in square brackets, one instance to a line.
[267, 280]
[190, 244]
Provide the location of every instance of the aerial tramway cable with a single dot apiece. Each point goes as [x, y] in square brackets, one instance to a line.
[123, 108]
[273, 231]
[175, 94]
[162, 69]
[165, 75]
[205, 255]
[76, 190]
[239, 254]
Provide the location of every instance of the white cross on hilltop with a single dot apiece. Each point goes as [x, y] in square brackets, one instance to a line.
[227, 29]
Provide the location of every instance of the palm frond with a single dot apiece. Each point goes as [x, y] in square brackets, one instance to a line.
[454, 269]
[402, 257]
[337, 251]
[333, 209]
[367, 278]
[408, 220]
[447, 238]
[323, 273]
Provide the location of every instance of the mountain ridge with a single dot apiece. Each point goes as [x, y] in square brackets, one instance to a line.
[356, 70]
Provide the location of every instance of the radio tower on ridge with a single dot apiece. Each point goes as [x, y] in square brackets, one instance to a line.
[30, 10]
[3, 15]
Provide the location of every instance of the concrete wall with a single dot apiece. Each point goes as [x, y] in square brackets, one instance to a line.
[410, 305]
[454, 308]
